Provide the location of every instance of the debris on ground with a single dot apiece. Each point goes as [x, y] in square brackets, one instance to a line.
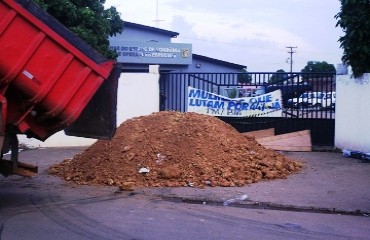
[234, 200]
[175, 149]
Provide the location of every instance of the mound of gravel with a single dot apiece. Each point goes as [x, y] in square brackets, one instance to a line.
[175, 149]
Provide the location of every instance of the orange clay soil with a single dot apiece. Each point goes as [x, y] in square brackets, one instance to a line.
[175, 149]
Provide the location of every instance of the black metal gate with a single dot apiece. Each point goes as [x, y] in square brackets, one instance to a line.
[308, 99]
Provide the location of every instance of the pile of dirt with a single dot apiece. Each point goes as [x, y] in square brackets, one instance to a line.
[175, 149]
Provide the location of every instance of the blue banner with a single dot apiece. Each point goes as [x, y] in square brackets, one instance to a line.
[265, 105]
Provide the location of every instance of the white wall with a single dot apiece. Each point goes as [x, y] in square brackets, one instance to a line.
[352, 120]
[138, 94]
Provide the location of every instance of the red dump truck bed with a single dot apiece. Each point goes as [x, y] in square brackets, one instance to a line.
[47, 74]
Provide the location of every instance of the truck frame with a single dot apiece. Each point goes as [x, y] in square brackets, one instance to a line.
[50, 80]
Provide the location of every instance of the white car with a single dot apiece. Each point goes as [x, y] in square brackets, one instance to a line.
[307, 99]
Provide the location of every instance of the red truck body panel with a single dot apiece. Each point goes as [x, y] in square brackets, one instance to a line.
[46, 80]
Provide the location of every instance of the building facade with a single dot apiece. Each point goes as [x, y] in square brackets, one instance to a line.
[140, 46]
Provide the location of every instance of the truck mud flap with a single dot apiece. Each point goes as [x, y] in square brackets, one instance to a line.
[99, 119]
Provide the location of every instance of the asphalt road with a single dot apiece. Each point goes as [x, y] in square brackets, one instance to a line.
[45, 207]
[75, 214]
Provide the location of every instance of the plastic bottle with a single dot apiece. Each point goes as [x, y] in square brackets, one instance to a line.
[241, 198]
[356, 154]
[352, 154]
[366, 156]
[346, 153]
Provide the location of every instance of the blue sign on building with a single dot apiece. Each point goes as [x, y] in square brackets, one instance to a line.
[152, 52]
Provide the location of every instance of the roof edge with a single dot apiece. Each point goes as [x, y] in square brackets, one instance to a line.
[163, 31]
[218, 61]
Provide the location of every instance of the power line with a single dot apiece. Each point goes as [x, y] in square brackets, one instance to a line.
[291, 57]
[314, 53]
[229, 43]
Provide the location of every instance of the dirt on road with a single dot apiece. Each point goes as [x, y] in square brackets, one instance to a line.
[175, 149]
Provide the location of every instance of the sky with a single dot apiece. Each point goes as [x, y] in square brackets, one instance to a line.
[254, 33]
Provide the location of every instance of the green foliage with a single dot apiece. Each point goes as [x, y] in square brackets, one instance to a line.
[278, 77]
[354, 19]
[244, 77]
[318, 67]
[88, 19]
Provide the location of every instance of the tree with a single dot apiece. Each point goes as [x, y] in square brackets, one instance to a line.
[244, 77]
[318, 67]
[279, 76]
[87, 19]
[354, 19]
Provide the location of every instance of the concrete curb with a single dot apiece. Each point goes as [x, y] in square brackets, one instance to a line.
[265, 205]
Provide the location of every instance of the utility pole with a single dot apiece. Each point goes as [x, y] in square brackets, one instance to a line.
[291, 57]
[156, 16]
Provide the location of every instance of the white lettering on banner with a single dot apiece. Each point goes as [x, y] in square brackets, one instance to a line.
[170, 49]
[265, 105]
[147, 52]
